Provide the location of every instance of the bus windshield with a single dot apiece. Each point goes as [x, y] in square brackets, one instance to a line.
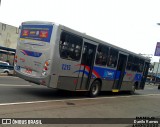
[36, 32]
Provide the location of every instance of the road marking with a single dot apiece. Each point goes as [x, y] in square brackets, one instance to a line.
[150, 88]
[13, 85]
[64, 100]
[6, 76]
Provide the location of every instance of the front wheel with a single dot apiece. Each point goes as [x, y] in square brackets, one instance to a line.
[95, 89]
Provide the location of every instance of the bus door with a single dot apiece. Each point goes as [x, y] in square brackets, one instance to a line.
[87, 62]
[120, 71]
[144, 76]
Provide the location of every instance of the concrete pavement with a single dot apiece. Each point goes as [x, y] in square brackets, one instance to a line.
[20, 99]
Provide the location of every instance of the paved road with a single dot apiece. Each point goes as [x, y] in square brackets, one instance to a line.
[21, 99]
[13, 89]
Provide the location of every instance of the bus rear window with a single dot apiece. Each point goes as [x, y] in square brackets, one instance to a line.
[37, 32]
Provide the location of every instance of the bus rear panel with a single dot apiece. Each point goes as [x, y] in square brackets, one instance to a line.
[33, 54]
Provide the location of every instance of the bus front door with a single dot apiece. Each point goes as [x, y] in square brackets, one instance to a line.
[87, 63]
[120, 72]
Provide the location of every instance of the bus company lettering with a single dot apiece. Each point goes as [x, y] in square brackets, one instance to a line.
[66, 67]
[108, 74]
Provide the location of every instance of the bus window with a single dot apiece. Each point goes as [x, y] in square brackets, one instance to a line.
[102, 55]
[113, 56]
[135, 64]
[70, 46]
[130, 62]
[140, 65]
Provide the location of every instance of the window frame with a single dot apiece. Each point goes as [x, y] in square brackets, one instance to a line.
[103, 48]
[115, 58]
[72, 38]
[131, 62]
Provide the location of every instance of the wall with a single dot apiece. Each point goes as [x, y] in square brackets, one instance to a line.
[156, 67]
[8, 36]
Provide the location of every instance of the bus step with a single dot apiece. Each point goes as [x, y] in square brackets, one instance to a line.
[115, 90]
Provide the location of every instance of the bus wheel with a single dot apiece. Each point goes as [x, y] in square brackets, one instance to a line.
[158, 86]
[95, 88]
[133, 90]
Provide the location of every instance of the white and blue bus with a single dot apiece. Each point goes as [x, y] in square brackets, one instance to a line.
[58, 57]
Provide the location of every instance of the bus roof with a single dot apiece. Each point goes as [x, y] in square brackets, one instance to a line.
[84, 35]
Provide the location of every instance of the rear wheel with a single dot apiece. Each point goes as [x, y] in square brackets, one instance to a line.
[158, 86]
[95, 89]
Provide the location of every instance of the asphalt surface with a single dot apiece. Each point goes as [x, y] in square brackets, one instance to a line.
[14, 89]
[21, 99]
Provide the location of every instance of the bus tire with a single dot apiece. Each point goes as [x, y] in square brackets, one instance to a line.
[158, 86]
[133, 90]
[94, 89]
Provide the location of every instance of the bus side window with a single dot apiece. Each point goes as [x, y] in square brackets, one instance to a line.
[102, 55]
[77, 52]
[135, 64]
[64, 50]
[112, 61]
[140, 65]
[64, 43]
[70, 46]
[130, 63]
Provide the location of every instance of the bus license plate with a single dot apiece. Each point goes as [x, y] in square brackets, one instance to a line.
[29, 71]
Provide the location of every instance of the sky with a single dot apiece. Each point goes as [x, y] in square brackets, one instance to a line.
[129, 24]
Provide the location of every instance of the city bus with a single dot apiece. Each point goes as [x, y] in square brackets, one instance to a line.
[59, 57]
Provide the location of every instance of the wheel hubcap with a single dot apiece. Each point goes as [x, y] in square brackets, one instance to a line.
[95, 89]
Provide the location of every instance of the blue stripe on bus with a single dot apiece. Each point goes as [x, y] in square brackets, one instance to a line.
[85, 72]
[109, 74]
[138, 77]
[31, 53]
[106, 73]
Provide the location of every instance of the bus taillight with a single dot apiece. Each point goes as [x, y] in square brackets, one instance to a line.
[46, 67]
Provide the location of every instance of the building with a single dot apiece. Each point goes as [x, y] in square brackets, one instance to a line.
[156, 68]
[8, 42]
[154, 72]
